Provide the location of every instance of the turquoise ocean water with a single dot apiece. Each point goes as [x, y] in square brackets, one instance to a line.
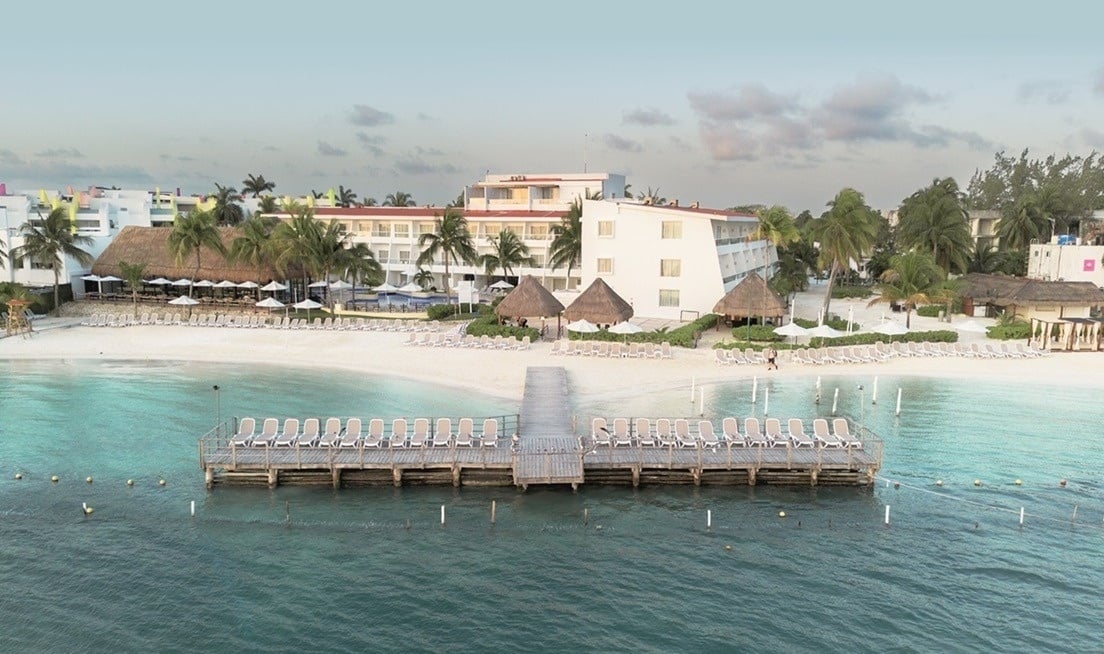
[372, 570]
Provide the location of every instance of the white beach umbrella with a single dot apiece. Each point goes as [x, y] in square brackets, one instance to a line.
[159, 281]
[248, 284]
[385, 288]
[274, 286]
[92, 278]
[204, 283]
[184, 301]
[626, 327]
[410, 287]
[502, 285]
[319, 284]
[582, 326]
[824, 331]
[226, 284]
[890, 328]
[971, 326]
[340, 285]
[271, 303]
[791, 329]
[307, 304]
[182, 282]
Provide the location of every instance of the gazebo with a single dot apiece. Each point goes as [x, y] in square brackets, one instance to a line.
[599, 304]
[750, 298]
[530, 298]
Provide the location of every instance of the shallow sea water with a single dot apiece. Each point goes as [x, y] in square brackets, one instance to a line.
[372, 569]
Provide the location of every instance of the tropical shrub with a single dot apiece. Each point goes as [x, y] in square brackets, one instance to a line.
[487, 325]
[442, 311]
[682, 336]
[835, 322]
[935, 336]
[839, 292]
[758, 333]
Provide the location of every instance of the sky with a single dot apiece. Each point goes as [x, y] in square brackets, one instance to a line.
[724, 105]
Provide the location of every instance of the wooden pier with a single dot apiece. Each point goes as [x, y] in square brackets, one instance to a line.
[539, 446]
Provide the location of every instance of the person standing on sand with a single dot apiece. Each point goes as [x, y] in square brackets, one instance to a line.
[771, 355]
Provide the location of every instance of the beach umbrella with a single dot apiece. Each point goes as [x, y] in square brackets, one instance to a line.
[271, 303]
[185, 301]
[971, 326]
[824, 331]
[182, 282]
[159, 281]
[890, 328]
[204, 283]
[385, 288]
[502, 285]
[319, 284]
[97, 279]
[274, 286]
[791, 329]
[307, 304]
[410, 287]
[582, 326]
[248, 285]
[625, 327]
[340, 285]
[226, 284]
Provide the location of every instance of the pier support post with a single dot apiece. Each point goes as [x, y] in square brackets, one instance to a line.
[335, 475]
[697, 476]
[636, 476]
[209, 478]
[813, 477]
[396, 477]
[273, 477]
[751, 476]
[456, 476]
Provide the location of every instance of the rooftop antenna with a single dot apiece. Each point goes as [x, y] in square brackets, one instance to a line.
[586, 138]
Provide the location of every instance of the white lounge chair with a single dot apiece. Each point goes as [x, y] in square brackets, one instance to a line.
[442, 435]
[797, 434]
[682, 433]
[351, 437]
[664, 435]
[419, 435]
[309, 434]
[823, 436]
[773, 429]
[754, 434]
[246, 427]
[842, 431]
[706, 434]
[730, 429]
[331, 436]
[268, 433]
[721, 357]
[398, 433]
[464, 432]
[290, 434]
[599, 432]
[489, 437]
[644, 435]
[621, 435]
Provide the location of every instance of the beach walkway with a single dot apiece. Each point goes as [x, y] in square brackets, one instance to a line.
[548, 451]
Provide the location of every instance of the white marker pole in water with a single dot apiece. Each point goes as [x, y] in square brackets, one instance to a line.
[691, 390]
[708, 519]
[818, 390]
[193, 508]
[754, 388]
[898, 401]
[1021, 516]
[887, 515]
[874, 395]
[835, 400]
[701, 406]
[766, 400]
[442, 515]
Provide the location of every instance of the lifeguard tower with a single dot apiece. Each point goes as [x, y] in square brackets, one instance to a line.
[17, 317]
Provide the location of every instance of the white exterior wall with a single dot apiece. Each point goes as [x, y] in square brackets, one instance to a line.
[1068, 263]
[484, 196]
[713, 252]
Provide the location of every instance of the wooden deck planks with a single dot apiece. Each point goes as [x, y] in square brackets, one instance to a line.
[547, 449]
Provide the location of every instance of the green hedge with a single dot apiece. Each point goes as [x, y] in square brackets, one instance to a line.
[935, 336]
[843, 292]
[930, 310]
[441, 311]
[758, 347]
[679, 337]
[758, 333]
[1015, 331]
[487, 325]
[835, 322]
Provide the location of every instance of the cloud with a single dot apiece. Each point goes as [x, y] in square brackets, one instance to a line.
[1049, 91]
[417, 166]
[934, 135]
[424, 116]
[366, 116]
[1099, 87]
[60, 173]
[327, 150]
[871, 109]
[429, 152]
[371, 142]
[729, 143]
[1093, 138]
[647, 117]
[748, 101]
[615, 142]
[176, 157]
[53, 153]
[270, 148]
[9, 157]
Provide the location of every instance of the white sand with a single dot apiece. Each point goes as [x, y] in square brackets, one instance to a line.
[499, 373]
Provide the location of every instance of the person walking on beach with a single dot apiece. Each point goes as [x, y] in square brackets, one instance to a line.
[771, 355]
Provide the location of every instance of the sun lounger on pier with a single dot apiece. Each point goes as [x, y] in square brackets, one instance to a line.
[621, 435]
[310, 433]
[707, 435]
[823, 436]
[464, 432]
[664, 434]
[644, 435]
[797, 434]
[332, 434]
[489, 437]
[245, 432]
[842, 431]
[269, 429]
[730, 427]
[442, 436]
[754, 434]
[351, 437]
[398, 433]
[773, 427]
[290, 434]
[682, 433]
[599, 432]
[419, 435]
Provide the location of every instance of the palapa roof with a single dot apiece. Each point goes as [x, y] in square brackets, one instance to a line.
[1002, 290]
[599, 304]
[751, 297]
[530, 298]
[149, 245]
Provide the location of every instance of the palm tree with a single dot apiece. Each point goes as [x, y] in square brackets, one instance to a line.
[268, 204]
[190, 234]
[651, 197]
[294, 240]
[47, 240]
[912, 279]
[227, 211]
[3, 255]
[345, 196]
[1022, 223]
[399, 199]
[566, 248]
[254, 246]
[368, 202]
[458, 202]
[935, 218]
[423, 278]
[360, 265]
[777, 226]
[450, 237]
[508, 252]
[329, 252]
[845, 232]
[132, 275]
[257, 185]
[986, 259]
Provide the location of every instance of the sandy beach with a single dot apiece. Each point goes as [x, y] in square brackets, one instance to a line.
[499, 373]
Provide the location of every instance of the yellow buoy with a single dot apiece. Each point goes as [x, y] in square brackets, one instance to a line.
[88, 479]
[977, 482]
[938, 482]
[130, 482]
[1019, 482]
[781, 514]
[161, 482]
[54, 479]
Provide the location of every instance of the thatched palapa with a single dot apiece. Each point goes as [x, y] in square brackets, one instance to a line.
[1004, 291]
[529, 299]
[149, 246]
[599, 304]
[751, 297]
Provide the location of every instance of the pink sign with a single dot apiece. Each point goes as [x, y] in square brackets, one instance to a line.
[1089, 265]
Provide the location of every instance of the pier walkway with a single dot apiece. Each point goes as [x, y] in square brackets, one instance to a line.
[548, 451]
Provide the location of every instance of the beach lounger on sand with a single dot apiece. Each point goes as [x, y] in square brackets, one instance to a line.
[707, 435]
[464, 432]
[419, 436]
[398, 433]
[682, 433]
[599, 432]
[823, 436]
[644, 435]
[797, 434]
[754, 434]
[245, 432]
[351, 437]
[310, 433]
[730, 429]
[489, 437]
[332, 434]
[843, 432]
[268, 433]
[773, 428]
[290, 434]
[442, 436]
[621, 435]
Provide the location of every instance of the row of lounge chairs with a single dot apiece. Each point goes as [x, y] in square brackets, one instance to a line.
[613, 349]
[352, 435]
[730, 357]
[677, 433]
[240, 321]
[485, 342]
[882, 351]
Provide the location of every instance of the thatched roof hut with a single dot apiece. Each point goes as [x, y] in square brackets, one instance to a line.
[1002, 290]
[149, 245]
[529, 299]
[599, 304]
[751, 297]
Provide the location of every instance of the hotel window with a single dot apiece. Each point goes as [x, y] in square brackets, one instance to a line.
[382, 229]
[670, 267]
[605, 228]
[538, 232]
[671, 229]
[363, 226]
[668, 297]
[381, 256]
[424, 228]
[402, 230]
[538, 261]
[404, 256]
[605, 266]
